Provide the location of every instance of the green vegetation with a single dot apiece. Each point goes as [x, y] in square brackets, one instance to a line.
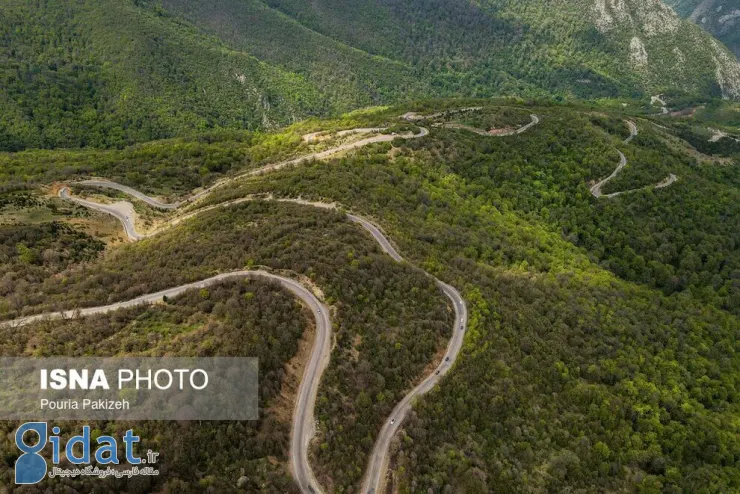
[177, 166]
[391, 319]
[493, 118]
[254, 319]
[601, 350]
[718, 17]
[576, 377]
[543, 176]
[31, 254]
[583, 383]
[110, 73]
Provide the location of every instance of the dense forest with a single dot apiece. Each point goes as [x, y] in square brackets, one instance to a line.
[391, 318]
[111, 73]
[601, 348]
[721, 18]
[242, 318]
[173, 167]
[555, 338]
[645, 236]
[552, 353]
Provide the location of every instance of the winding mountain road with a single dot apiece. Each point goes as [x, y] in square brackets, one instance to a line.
[258, 171]
[378, 464]
[633, 131]
[596, 188]
[669, 180]
[303, 417]
[106, 184]
[485, 133]
[313, 136]
[123, 211]
[375, 476]
[413, 116]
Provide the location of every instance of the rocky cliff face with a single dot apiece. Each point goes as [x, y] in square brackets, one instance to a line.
[660, 45]
[721, 18]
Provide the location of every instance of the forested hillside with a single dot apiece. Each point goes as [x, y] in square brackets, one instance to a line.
[600, 352]
[574, 378]
[251, 319]
[83, 73]
[101, 74]
[721, 18]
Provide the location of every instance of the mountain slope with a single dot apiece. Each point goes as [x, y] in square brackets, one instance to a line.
[580, 48]
[661, 45]
[600, 354]
[721, 18]
[110, 73]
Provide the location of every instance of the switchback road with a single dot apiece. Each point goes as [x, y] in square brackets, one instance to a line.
[123, 211]
[303, 417]
[534, 121]
[596, 188]
[303, 422]
[267, 168]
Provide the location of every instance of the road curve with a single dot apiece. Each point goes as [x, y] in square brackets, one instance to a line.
[534, 121]
[303, 425]
[329, 152]
[413, 116]
[267, 168]
[524, 128]
[123, 211]
[669, 180]
[378, 463]
[362, 130]
[596, 188]
[375, 475]
[303, 418]
[107, 184]
[633, 130]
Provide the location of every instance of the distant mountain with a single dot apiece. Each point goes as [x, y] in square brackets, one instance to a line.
[721, 18]
[108, 73]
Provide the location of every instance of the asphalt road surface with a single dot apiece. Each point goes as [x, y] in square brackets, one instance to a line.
[596, 188]
[123, 211]
[303, 417]
[132, 192]
[482, 132]
[375, 475]
[267, 168]
[633, 131]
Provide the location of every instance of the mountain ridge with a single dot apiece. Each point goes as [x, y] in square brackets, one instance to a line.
[721, 18]
[110, 74]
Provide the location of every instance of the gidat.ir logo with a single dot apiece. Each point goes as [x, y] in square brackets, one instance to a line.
[30, 467]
